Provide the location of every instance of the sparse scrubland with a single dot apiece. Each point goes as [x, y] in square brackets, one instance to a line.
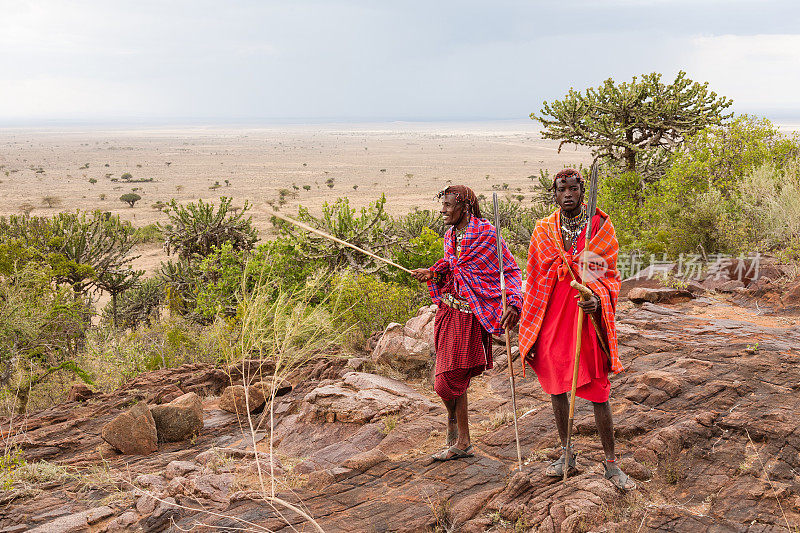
[228, 294]
[729, 188]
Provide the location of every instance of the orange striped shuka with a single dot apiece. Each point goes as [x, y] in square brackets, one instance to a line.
[545, 266]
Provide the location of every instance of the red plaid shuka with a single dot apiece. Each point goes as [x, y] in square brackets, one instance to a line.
[475, 275]
[463, 351]
[545, 266]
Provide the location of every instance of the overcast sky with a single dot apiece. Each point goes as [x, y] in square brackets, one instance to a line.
[378, 60]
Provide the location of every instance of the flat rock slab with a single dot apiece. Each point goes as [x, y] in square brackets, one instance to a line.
[75, 522]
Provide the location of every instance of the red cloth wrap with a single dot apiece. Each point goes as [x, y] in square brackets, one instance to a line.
[462, 346]
[555, 347]
[545, 268]
[474, 276]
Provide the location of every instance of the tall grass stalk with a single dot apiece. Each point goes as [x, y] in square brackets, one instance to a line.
[289, 327]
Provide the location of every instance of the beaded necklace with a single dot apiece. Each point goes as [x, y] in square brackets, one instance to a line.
[458, 234]
[571, 227]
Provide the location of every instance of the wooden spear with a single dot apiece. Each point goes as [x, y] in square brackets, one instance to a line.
[508, 342]
[335, 239]
[591, 208]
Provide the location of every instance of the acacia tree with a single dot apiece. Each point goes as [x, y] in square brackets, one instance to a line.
[634, 125]
[130, 198]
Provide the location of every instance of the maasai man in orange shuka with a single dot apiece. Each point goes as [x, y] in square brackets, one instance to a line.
[465, 284]
[549, 315]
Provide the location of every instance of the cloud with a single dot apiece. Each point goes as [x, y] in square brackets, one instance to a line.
[46, 97]
[757, 71]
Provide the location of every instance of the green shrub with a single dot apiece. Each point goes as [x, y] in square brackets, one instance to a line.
[139, 304]
[412, 224]
[197, 228]
[423, 252]
[368, 304]
[724, 191]
[114, 357]
[369, 229]
[78, 247]
[130, 198]
[41, 330]
[148, 234]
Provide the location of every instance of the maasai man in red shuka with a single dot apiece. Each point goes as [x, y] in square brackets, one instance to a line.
[465, 285]
[549, 315]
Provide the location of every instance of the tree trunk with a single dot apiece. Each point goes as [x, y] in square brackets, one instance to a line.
[114, 309]
[630, 155]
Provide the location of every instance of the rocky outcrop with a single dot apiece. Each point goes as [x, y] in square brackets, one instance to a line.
[408, 348]
[132, 432]
[360, 398]
[234, 399]
[180, 419]
[79, 392]
[705, 419]
[658, 295]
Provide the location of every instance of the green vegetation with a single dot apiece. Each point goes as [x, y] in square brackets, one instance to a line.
[633, 125]
[678, 176]
[130, 198]
[729, 189]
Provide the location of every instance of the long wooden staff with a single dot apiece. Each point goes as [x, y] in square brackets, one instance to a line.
[508, 342]
[335, 239]
[591, 208]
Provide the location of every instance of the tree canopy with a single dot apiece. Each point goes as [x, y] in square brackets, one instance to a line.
[633, 124]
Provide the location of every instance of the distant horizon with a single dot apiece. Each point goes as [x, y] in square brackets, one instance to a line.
[783, 119]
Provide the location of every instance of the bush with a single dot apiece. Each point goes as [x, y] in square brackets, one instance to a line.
[412, 224]
[723, 178]
[368, 304]
[423, 252]
[151, 233]
[79, 248]
[130, 198]
[40, 332]
[51, 201]
[196, 229]
[137, 305]
[370, 229]
[115, 357]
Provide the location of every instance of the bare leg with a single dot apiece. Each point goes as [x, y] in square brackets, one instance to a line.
[452, 430]
[561, 412]
[605, 427]
[462, 419]
[457, 424]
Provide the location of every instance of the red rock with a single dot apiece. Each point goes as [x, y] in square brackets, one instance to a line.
[664, 381]
[180, 419]
[407, 348]
[132, 432]
[658, 295]
[79, 392]
[75, 522]
[233, 399]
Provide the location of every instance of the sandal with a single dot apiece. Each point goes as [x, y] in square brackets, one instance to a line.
[451, 453]
[618, 478]
[556, 468]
